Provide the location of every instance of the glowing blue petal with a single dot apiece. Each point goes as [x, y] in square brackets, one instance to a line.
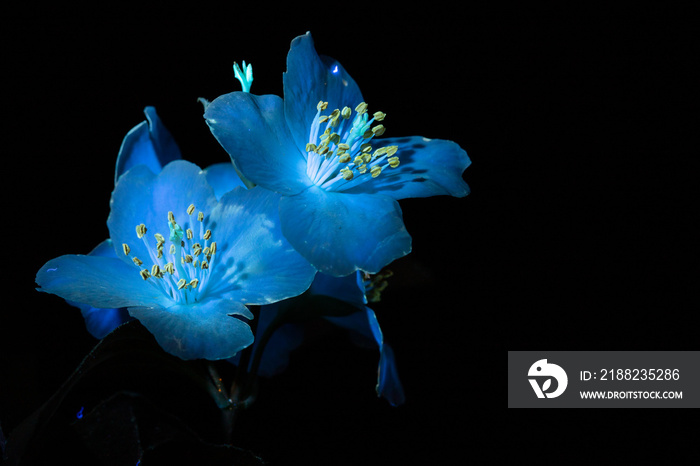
[428, 167]
[206, 330]
[143, 197]
[148, 143]
[340, 233]
[261, 267]
[222, 177]
[253, 131]
[310, 79]
[102, 282]
[99, 322]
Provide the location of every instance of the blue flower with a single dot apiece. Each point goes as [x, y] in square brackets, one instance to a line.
[149, 143]
[185, 264]
[319, 148]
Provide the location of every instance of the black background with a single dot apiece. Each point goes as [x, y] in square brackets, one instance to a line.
[576, 236]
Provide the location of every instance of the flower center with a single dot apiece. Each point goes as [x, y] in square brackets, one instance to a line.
[181, 273]
[341, 157]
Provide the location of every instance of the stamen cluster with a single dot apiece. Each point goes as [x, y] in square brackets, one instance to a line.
[341, 156]
[182, 272]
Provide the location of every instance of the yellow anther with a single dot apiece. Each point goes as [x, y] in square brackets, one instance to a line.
[169, 267]
[205, 265]
[160, 253]
[375, 171]
[344, 158]
[195, 264]
[378, 130]
[379, 116]
[144, 274]
[379, 152]
[188, 259]
[207, 234]
[323, 150]
[141, 230]
[344, 146]
[190, 209]
[347, 173]
[357, 161]
[126, 249]
[334, 138]
[324, 119]
[207, 251]
[137, 261]
[172, 249]
[361, 108]
[367, 158]
[393, 162]
[346, 112]
[213, 247]
[190, 235]
[155, 271]
[159, 238]
[368, 134]
[194, 283]
[200, 216]
[197, 250]
[365, 147]
[310, 147]
[322, 105]
[391, 150]
[335, 118]
[362, 168]
[181, 284]
[171, 218]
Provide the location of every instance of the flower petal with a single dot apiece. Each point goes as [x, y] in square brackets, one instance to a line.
[222, 177]
[148, 143]
[310, 79]
[102, 282]
[143, 197]
[341, 233]
[253, 131]
[364, 323]
[428, 167]
[206, 330]
[349, 288]
[259, 265]
[98, 321]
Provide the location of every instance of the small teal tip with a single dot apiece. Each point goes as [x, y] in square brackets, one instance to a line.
[244, 75]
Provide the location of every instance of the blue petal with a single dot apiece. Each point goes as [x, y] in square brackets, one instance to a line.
[205, 330]
[340, 233]
[102, 282]
[99, 322]
[284, 339]
[310, 79]
[254, 263]
[346, 288]
[388, 383]
[222, 177]
[253, 131]
[148, 143]
[143, 197]
[364, 323]
[428, 167]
